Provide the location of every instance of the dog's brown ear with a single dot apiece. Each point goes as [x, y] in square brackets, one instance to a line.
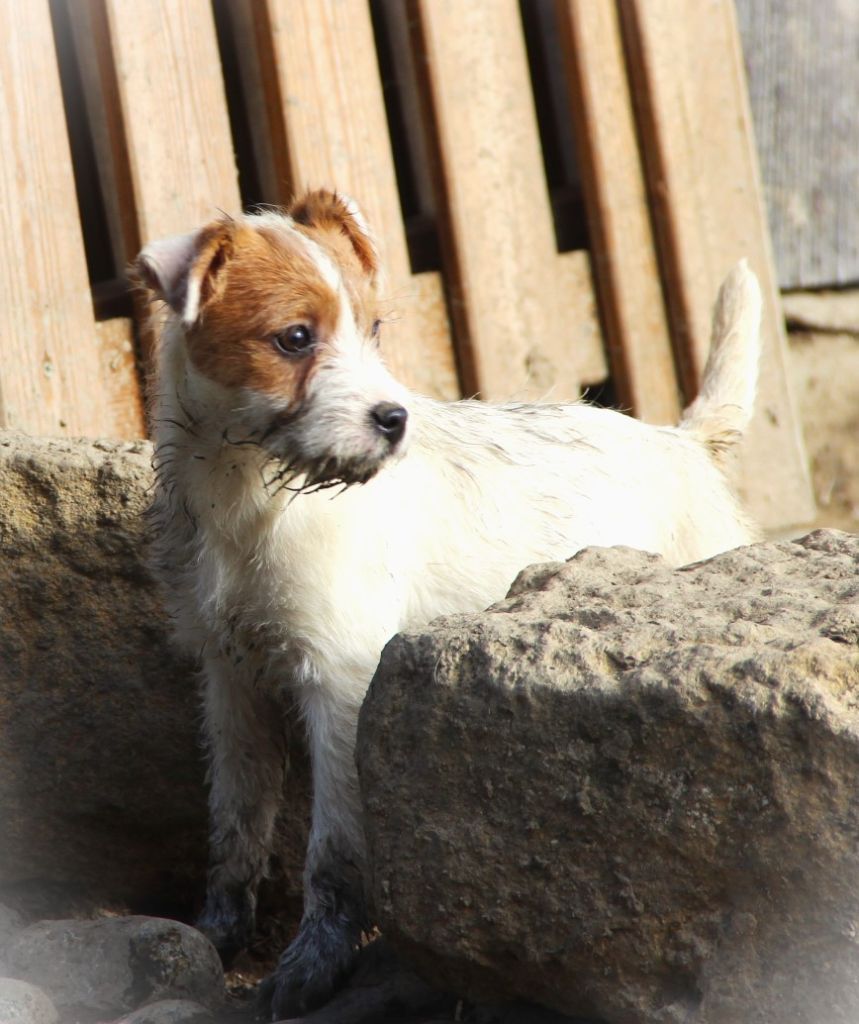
[340, 215]
[187, 271]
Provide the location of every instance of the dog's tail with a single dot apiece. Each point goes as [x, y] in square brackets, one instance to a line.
[721, 412]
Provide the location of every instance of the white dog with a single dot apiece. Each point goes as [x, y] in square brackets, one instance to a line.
[270, 393]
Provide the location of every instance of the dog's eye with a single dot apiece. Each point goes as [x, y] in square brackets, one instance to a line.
[298, 339]
[376, 329]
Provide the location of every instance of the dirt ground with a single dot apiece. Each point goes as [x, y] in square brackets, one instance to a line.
[824, 363]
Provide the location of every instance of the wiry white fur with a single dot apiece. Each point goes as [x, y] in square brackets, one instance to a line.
[299, 593]
[725, 403]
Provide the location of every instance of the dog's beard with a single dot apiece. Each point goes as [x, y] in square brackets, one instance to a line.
[293, 466]
[294, 475]
[299, 458]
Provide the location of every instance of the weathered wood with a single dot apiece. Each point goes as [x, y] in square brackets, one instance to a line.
[91, 39]
[119, 371]
[326, 115]
[579, 313]
[165, 143]
[50, 379]
[501, 261]
[697, 135]
[174, 113]
[427, 309]
[624, 257]
[802, 58]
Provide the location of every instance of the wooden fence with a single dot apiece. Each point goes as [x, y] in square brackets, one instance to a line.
[424, 110]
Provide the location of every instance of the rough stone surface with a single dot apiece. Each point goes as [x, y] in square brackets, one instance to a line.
[101, 768]
[825, 374]
[112, 965]
[629, 792]
[22, 1003]
[169, 1011]
[10, 925]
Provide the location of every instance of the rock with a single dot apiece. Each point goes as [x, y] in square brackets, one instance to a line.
[169, 1011]
[10, 925]
[112, 965]
[22, 1003]
[629, 792]
[825, 379]
[102, 793]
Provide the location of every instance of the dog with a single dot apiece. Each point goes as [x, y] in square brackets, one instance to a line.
[309, 506]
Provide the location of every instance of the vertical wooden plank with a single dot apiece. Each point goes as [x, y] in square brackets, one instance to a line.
[156, 99]
[50, 379]
[501, 255]
[119, 369]
[625, 266]
[697, 133]
[174, 113]
[579, 308]
[326, 114]
[88, 24]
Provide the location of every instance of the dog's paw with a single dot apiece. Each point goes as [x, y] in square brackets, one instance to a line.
[228, 920]
[312, 969]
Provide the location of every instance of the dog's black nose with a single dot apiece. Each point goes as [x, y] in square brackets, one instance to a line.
[389, 419]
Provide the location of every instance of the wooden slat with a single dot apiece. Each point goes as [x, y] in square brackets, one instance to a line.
[174, 113]
[624, 256]
[428, 309]
[501, 259]
[87, 21]
[159, 109]
[325, 114]
[579, 313]
[119, 370]
[49, 363]
[697, 135]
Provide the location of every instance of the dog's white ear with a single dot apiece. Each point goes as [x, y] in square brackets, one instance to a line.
[186, 270]
[334, 212]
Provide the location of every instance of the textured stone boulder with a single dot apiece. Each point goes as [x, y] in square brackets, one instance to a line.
[22, 1003]
[10, 925]
[629, 791]
[170, 1011]
[102, 796]
[96, 970]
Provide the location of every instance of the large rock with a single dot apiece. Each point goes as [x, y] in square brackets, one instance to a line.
[169, 1011]
[10, 925]
[102, 796]
[94, 970]
[22, 1003]
[629, 791]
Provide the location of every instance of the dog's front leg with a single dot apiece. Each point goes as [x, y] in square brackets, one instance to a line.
[245, 734]
[323, 952]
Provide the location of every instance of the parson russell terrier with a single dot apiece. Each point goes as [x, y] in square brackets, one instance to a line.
[309, 506]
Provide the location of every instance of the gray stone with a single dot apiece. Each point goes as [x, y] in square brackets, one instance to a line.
[10, 925]
[825, 379]
[22, 1003]
[169, 1011]
[102, 791]
[112, 965]
[628, 791]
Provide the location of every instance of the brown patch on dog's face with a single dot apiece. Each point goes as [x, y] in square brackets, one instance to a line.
[327, 219]
[266, 286]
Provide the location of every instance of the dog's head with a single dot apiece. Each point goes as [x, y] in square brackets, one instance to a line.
[281, 311]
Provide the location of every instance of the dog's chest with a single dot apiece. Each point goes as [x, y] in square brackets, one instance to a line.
[302, 588]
